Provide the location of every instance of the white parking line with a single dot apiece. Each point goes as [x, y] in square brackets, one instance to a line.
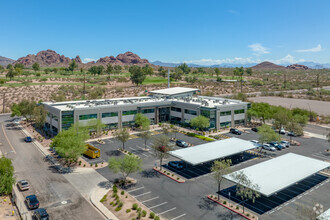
[179, 216]
[157, 205]
[145, 155]
[136, 189]
[142, 194]
[166, 211]
[150, 199]
[322, 157]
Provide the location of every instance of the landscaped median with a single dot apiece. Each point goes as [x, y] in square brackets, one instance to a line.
[128, 153]
[170, 174]
[233, 207]
[200, 136]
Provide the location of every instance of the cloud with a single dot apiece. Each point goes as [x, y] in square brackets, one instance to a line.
[318, 48]
[86, 60]
[288, 59]
[234, 12]
[258, 49]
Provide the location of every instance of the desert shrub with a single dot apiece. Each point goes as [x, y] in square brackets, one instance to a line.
[135, 206]
[224, 202]
[114, 189]
[104, 198]
[144, 213]
[237, 207]
[139, 209]
[152, 215]
[120, 204]
[247, 214]
[157, 218]
[118, 209]
[122, 192]
[128, 210]
[111, 203]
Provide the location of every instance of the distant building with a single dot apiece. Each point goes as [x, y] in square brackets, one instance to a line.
[176, 105]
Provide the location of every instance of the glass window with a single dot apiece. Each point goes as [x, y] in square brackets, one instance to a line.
[175, 109]
[225, 124]
[87, 117]
[67, 119]
[239, 122]
[111, 126]
[128, 123]
[225, 113]
[109, 114]
[239, 111]
[190, 112]
[149, 110]
[130, 112]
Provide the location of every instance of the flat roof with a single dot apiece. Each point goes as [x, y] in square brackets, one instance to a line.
[173, 91]
[281, 172]
[324, 216]
[211, 151]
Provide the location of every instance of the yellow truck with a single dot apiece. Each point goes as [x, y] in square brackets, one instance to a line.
[92, 152]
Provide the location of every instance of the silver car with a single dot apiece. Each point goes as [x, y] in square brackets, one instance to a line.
[285, 143]
[23, 185]
[268, 147]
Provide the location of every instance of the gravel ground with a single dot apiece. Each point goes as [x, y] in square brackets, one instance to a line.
[320, 107]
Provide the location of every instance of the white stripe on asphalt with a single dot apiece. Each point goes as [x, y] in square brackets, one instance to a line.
[157, 205]
[166, 211]
[135, 189]
[142, 194]
[150, 199]
[145, 155]
[179, 216]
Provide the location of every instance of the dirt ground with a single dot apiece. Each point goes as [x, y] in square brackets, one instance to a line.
[320, 107]
[6, 209]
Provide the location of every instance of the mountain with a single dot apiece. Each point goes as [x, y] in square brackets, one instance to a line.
[4, 61]
[127, 58]
[267, 66]
[160, 63]
[297, 67]
[47, 58]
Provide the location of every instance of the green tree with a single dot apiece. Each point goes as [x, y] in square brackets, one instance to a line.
[174, 129]
[7, 179]
[11, 73]
[95, 125]
[36, 67]
[267, 134]
[96, 70]
[70, 144]
[177, 74]
[148, 70]
[161, 147]
[126, 165]
[137, 75]
[260, 110]
[294, 126]
[239, 71]
[162, 71]
[24, 108]
[72, 65]
[217, 72]
[145, 135]
[9, 66]
[200, 122]
[19, 65]
[122, 135]
[219, 169]
[184, 67]
[39, 116]
[109, 70]
[2, 69]
[142, 121]
[165, 128]
[117, 69]
[248, 71]
[245, 188]
[281, 118]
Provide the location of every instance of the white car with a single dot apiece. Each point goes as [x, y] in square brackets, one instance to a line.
[255, 142]
[268, 147]
[282, 131]
[285, 143]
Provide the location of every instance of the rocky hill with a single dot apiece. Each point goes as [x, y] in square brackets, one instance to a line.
[47, 58]
[4, 61]
[267, 66]
[297, 67]
[127, 58]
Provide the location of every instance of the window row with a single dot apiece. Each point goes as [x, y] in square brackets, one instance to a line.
[149, 110]
[239, 111]
[87, 117]
[130, 112]
[190, 112]
[225, 113]
[175, 109]
[109, 114]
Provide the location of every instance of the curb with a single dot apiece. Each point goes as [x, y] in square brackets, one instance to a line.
[231, 209]
[97, 204]
[178, 181]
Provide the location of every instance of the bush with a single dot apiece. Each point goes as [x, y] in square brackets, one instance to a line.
[114, 189]
[139, 209]
[211, 196]
[135, 206]
[237, 207]
[104, 198]
[120, 204]
[122, 192]
[248, 214]
[144, 213]
[152, 215]
[157, 218]
[111, 203]
[224, 202]
[118, 209]
[128, 210]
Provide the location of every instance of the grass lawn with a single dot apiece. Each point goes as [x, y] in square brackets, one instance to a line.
[43, 83]
[154, 80]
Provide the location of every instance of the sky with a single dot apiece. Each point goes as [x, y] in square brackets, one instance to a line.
[202, 32]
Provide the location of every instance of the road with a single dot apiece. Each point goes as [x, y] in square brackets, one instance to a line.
[61, 199]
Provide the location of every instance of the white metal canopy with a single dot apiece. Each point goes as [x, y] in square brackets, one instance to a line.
[281, 172]
[211, 151]
[325, 215]
[173, 91]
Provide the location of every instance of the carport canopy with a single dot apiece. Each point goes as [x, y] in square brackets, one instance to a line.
[279, 173]
[212, 151]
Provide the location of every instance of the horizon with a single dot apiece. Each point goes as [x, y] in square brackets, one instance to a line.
[209, 33]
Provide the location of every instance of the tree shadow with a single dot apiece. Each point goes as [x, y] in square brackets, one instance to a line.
[113, 153]
[105, 184]
[206, 204]
[149, 173]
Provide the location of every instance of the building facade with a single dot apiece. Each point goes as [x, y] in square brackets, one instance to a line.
[176, 105]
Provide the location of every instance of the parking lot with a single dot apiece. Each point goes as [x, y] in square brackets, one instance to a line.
[172, 200]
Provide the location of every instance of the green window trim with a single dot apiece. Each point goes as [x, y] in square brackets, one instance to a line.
[175, 109]
[239, 111]
[130, 112]
[87, 117]
[190, 112]
[67, 119]
[109, 114]
[225, 113]
[149, 110]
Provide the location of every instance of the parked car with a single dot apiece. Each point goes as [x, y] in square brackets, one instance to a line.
[276, 145]
[235, 131]
[40, 214]
[178, 165]
[282, 131]
[181, 143]
[255, 142]
[23, 185]
[28, 139]
[285, 143]
[254, 129]
[268, 147]
[292, 134]
[32, 201]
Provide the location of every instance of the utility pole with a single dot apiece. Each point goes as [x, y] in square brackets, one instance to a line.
[3, 102]
[168, 77]
[84, 83]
